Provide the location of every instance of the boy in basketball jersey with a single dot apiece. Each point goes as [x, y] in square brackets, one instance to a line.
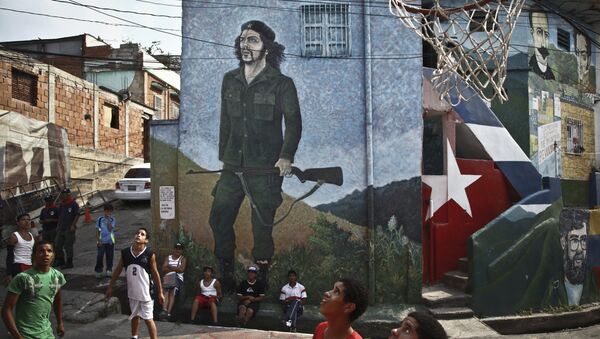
[140, 264]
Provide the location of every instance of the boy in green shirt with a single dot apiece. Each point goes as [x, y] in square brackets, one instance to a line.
[34, 292]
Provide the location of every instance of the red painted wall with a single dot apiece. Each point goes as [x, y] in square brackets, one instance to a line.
[445, 234]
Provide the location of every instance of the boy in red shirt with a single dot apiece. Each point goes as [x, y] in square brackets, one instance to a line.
[342, 305]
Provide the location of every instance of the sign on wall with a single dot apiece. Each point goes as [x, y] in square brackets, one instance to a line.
[548, 135]
[167, 202]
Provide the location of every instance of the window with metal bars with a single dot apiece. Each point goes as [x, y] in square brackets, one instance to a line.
[24, 86]
[575, 136]
[325, 30]
[563, 39]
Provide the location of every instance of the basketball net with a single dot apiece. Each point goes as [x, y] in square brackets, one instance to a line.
[471, 43]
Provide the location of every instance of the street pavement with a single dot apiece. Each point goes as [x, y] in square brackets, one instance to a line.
[88, 315]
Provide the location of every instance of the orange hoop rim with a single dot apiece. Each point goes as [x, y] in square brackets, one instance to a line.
[418, 10]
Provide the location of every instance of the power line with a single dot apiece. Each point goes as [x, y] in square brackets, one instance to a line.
[122, 10]
[153, 28]
[77, 19]
[136, 25]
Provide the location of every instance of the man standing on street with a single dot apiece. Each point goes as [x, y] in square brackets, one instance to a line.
[49, 219]
[68, 215]
[255, 99]
[34, 293]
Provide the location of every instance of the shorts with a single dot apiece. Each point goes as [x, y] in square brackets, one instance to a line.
[253, 306]
[142, 309]
[176, 289]
[18, 268]
[205, 301]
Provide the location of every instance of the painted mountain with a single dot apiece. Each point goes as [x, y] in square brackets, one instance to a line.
[394, 199]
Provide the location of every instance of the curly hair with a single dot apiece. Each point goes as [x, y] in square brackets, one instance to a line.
[429, 327]
[355, 292]
[275, 56]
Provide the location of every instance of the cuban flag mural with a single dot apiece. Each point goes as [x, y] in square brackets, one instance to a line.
[483, 199]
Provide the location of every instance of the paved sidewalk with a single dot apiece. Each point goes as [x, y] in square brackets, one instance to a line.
[118, 326]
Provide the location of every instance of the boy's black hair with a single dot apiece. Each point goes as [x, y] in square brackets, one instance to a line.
[355, 292]
[292, 272]
[22, 215]
[145, 230]
[37, 244]
[108, 207]
[429, 327]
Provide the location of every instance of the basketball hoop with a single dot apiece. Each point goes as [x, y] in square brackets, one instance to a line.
[471, 42]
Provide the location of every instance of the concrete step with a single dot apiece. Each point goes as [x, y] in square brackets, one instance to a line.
[463, 264]
[456, 279]
[440, 295]
[452, 312]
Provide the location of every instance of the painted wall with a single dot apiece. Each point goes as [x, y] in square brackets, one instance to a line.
[521, 260]
[558, 95]
[560, 92]
[355, 115]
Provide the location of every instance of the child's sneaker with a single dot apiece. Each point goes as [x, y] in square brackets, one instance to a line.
[108, 273]
[288, 323]
[98, 275]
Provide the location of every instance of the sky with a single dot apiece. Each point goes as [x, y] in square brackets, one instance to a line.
[12, 25]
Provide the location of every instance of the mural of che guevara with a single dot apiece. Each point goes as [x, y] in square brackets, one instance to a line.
[255, 99]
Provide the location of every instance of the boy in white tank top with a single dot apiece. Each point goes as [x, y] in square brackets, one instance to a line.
[208, 292]
[22, 241]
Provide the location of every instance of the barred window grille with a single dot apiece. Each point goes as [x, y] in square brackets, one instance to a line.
[325, 30]
[574, 136]
[24, 86]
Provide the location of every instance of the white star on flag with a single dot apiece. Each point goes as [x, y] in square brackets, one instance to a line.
[449, 187]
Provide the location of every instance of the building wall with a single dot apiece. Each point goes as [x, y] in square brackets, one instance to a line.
[362, 113]
[76, 104]
[7, 102]
[578, 166]
[556, 98]
[72, 101]
[167, 100]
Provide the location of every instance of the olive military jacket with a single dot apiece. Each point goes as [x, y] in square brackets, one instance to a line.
[250, 133]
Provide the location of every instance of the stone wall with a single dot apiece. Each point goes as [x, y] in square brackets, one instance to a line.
[98, 170]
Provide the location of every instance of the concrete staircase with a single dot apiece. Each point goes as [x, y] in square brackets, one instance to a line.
[449, 299]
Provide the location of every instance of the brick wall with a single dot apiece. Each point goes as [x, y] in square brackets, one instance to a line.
[577, 166]
[111, 138]
[73, 99]
[72, 107]
[136, 123]
[39, 111]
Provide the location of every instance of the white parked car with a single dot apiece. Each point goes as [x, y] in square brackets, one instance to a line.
[135, 185]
